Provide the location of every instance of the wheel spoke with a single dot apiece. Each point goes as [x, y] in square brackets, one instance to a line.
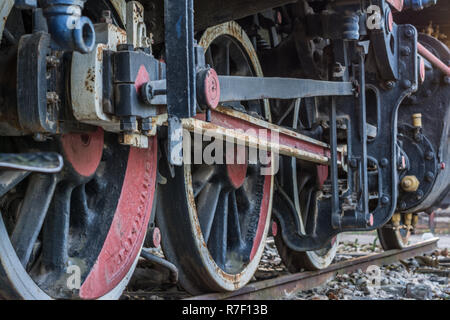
[9, 179]
[56, 229]
[201, 177]
[32, 214]
[217, 243]
[234, 230]
[306, 212]
[80, 207]
[243, 199]
[206, 207]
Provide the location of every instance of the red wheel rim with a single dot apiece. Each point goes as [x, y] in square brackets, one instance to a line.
[128, 229]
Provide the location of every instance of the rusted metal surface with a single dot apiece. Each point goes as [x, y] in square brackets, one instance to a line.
[87, 79]
[227, 122]
[288, 285]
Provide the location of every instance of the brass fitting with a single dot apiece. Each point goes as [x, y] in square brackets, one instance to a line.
[417, 120]
[410, 184]
[396, 218]
[408, 219]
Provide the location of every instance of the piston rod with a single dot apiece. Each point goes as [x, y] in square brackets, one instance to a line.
[234, 88]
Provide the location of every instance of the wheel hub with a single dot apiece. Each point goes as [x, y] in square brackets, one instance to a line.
[83, 151]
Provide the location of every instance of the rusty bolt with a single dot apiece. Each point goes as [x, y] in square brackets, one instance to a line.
[53, 61]
[52, 98]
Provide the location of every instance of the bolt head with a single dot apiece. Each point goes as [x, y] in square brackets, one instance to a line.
[390, 84]
[447, 80]
[429, 176]
[384, 162]
[385, 200]
[406, 84]
[409, 33]
[405, 51]
[419, 195]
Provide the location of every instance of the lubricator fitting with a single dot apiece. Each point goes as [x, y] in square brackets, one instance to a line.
[69, 29]
[417, 120]
[419, 4]
[410, 184]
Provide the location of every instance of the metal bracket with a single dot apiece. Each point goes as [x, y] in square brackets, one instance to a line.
[181, 70]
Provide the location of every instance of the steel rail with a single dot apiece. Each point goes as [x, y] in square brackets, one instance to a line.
[288, 285]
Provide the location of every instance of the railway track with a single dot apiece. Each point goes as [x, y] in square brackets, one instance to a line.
[288, 285]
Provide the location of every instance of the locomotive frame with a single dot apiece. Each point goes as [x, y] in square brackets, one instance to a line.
[375, 146]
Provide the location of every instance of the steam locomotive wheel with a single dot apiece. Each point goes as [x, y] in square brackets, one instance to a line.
[305, 193]
[78, 233]
[214, 218]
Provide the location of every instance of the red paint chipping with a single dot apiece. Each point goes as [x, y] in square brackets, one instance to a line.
[83, 151]
[142, 78]
[128, 229]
